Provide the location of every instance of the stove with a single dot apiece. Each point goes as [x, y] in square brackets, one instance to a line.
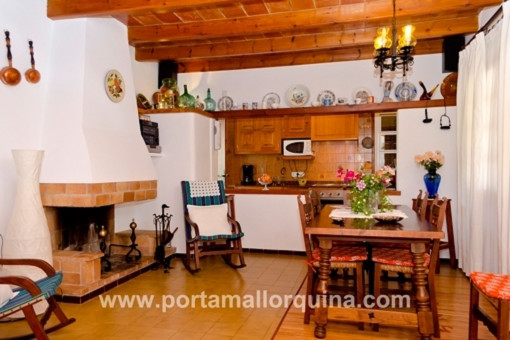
[332, 193]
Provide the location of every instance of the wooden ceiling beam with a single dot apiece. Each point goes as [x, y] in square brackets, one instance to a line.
[349, 13]
[65, 9]
[303, 58]
[424, 30]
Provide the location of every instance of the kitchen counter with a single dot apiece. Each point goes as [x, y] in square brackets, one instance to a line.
[273, 190]
[288, 189]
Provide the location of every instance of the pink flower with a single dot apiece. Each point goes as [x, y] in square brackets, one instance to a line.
[360, 185]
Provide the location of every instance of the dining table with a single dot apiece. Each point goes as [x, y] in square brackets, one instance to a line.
[419, 233]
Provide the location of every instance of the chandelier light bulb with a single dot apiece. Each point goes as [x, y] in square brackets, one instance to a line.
[407, 38]
[383, 39]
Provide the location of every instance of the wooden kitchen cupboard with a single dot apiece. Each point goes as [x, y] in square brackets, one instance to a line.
[258, 135]
[296, 127]
[335, 127]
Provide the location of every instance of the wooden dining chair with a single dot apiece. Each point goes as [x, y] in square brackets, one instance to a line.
[420, 204]
[401, 261]
[341, 257]
[496, 289]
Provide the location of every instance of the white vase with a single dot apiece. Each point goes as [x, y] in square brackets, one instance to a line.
[27, 234]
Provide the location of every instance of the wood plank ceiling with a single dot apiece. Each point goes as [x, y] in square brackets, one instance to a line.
[208, 35]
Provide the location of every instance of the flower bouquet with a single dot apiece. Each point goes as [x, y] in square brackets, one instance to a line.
[368, 194]
[430, 161]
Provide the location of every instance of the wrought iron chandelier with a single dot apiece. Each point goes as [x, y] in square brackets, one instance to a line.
[400, 56]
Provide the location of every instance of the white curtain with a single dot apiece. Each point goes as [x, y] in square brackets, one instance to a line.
[483, 146]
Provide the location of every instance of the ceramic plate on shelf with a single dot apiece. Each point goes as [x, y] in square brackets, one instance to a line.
[405, 91]
[271, 100]
[297, 96]
[361, 94]
[114, 84]
[326, 98]
[225, 103]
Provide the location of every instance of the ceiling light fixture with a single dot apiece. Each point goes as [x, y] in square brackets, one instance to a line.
[400, 56]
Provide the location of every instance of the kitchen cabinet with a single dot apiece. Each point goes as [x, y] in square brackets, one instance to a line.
[258, 136]
[339, 127]
[296, 127]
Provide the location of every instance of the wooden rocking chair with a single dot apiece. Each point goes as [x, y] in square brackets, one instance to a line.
[29, 293]
[211, 228]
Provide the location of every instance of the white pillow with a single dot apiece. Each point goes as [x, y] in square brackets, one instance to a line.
[211, 219]
[6, 294]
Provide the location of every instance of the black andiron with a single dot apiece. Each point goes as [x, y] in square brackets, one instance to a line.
[132, 246]
[102, 246]
[163, 237]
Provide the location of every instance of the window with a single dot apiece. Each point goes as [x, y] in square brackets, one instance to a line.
[386, 141]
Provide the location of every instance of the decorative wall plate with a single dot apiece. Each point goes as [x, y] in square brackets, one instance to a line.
[225, 103]
[297, 96]
[114, 84]
[405, 91]
[270, 100]
[326, 98]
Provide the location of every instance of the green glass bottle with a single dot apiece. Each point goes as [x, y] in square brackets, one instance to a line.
[186, 99]
[210, 104]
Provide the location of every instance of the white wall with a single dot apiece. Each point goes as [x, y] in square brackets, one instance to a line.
[73, 57]
[22, 106]
[187, 154]
[415, 137]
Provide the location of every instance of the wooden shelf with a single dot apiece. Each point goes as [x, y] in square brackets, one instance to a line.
[171, 111]
[337, 109]
[312, 111]
[297, 158]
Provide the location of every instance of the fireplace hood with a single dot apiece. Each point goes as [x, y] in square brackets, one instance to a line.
[88, 139]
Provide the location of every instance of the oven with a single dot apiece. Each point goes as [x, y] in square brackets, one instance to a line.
[329, 194]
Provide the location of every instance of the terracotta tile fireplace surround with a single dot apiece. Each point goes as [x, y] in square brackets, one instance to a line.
[81, 266]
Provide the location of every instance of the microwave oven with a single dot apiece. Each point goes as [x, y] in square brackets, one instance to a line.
[297, 147]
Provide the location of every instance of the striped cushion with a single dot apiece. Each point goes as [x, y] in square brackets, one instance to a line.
[493, 285]
[48, 287]
[221, 237]
[396, 257]
[343, 254]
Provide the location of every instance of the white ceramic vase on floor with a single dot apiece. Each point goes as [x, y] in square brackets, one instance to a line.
[27, 234]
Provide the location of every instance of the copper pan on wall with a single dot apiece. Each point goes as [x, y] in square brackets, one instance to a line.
[32, 75]
[9, 75]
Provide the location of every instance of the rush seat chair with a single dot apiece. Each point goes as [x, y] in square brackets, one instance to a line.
[211, 228]
[401, 261]
[29, 292]
[342, 257]
[496, 288]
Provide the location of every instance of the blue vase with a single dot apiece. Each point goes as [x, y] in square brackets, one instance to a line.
[432, 180]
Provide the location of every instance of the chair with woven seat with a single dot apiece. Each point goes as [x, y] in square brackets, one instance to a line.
[496, 289]
[211, 228]
[342, 257]
[27, 293]
[401, 261]
[420, 204]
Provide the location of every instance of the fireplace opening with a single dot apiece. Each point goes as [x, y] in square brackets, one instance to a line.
[78, 228]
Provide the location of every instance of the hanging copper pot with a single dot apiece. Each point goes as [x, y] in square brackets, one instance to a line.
[9, 75]
[32, 75]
